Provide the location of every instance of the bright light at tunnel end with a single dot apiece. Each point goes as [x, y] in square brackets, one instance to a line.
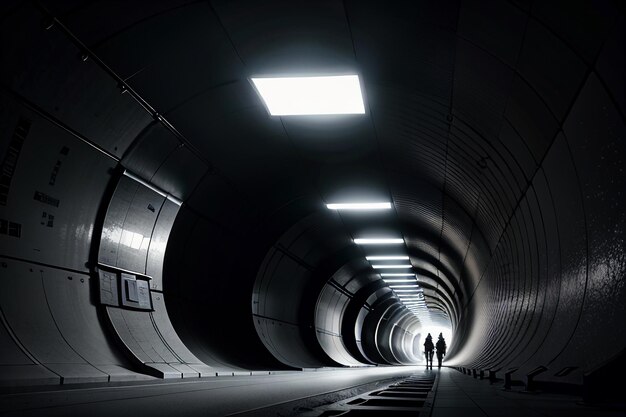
[317, 95]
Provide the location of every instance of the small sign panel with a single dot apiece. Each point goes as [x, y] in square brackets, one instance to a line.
[124, 289]
[143, 293]
[108, 288]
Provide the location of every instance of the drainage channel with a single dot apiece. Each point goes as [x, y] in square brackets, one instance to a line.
[412, 396]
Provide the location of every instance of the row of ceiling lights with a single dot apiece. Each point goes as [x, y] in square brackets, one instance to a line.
[341, 94]
[404, 285]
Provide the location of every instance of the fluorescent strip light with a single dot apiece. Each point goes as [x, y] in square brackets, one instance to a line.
[390, 281]
[407, 290]
[391, 266]
[378, 241]
[404, 286]
[359, 206]
[397, 275]
[387, 258]
[293, 96]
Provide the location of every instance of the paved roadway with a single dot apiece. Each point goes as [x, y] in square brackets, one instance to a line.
[217, 396]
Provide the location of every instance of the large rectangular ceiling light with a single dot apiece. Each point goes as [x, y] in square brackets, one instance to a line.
[299, 96]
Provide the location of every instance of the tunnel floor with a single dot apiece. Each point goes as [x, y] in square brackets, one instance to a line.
[292, 394]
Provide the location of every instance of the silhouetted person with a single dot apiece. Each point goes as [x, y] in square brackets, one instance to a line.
[441, 349]
[429, 349]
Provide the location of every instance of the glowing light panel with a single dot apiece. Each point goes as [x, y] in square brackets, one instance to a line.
[387, 258]
[378, 241]
[391, 266]
[293, 96]
[358, 206]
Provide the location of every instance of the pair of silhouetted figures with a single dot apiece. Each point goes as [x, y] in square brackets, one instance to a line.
[429, 350]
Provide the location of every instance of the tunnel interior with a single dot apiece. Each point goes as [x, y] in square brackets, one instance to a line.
[156, 219]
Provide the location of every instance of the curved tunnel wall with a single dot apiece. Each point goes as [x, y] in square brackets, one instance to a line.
[509, 196]
[132, 247]
[52, 331]
[329, 313]
[303, 289]
[550, 283]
